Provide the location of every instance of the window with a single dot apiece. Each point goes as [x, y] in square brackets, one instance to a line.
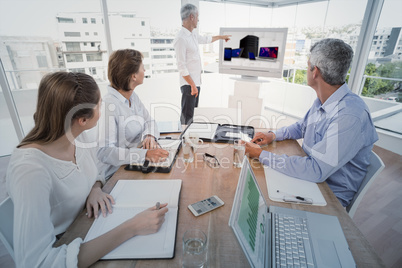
[74, 58]
[92, 44]
[77, 70]
[142, 23]
[42, 62]
[94, 57]
[65, 20]
[93, 20]
[383, 74]
[95, 34]
[84, 20]
[72, 34]
[73, 46]
[132, 44]
[85, 43]
[92, 70]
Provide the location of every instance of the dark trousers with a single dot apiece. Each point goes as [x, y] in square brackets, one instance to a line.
[188, 103]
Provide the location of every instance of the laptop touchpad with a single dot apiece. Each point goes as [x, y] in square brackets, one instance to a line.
[328, 253]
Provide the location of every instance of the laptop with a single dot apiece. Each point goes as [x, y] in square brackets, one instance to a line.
[275, 236]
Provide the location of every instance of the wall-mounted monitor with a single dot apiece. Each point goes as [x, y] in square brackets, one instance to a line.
[266, 45]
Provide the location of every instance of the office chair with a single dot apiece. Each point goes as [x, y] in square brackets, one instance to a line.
[375, 167]
[6, 225]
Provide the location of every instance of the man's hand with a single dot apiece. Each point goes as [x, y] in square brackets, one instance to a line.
[253, 150]
[263, 139]
[194, 91]
[226, 37]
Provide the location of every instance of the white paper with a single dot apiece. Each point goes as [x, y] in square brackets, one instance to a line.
[133, 197]
[289, 186]
[203, 131]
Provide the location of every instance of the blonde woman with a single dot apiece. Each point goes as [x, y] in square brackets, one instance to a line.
[50, 180]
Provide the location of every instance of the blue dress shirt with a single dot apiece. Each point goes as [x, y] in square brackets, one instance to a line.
[338, 139]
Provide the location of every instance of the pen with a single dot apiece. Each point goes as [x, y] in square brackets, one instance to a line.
[158, 205]
[304, 199]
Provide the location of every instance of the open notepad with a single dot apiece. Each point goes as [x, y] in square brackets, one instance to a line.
[290, 187]
[133, 197]
[224, 133]
[170, 145]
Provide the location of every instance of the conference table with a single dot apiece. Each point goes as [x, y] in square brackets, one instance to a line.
[200, 181]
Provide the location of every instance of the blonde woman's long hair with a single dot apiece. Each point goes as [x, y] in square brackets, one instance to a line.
[58, 94]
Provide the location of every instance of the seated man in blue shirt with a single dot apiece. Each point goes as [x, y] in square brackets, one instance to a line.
[338, 131]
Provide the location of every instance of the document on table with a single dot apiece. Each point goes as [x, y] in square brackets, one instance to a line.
[133, 197]
[283, 188]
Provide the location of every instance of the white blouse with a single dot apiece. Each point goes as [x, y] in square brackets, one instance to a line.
[121, 130]
[48, 194]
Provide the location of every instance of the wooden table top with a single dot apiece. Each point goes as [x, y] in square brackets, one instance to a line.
[199, 181]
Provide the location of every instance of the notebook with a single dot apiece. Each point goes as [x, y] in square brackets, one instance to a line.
[283, 188]
[172, 146]
[223, 133]
[275, 237]
[132, 197]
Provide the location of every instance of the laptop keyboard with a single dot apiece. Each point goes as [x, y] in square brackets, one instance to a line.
[292, 242]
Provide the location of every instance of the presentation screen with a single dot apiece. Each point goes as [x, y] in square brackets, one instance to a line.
[253, 51]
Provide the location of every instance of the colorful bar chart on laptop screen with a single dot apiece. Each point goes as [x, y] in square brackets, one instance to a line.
[249, 211]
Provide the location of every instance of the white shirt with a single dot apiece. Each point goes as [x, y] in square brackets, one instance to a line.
[188, 54]
[48, 194]
[121, 130]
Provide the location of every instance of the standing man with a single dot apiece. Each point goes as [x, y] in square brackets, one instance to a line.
[338, 131]
[189, 60]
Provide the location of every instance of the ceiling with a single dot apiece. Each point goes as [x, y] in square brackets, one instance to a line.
[266, 3]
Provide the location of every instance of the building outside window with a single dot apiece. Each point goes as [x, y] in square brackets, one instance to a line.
[73, 46]
[72, 34]
[74, 58]
[65, 20]
[42, 61]
[94, 56]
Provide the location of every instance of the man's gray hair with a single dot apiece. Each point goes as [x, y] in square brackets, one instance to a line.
[333, 58]
[187, 10]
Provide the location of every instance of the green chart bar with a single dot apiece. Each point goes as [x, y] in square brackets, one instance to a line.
[249, 211]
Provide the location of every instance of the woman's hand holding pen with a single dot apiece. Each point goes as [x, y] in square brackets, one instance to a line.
[156, 155]
[98, 198]
[150, 142]
[149, 221]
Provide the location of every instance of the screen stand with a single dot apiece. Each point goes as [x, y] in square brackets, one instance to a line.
[249, 77]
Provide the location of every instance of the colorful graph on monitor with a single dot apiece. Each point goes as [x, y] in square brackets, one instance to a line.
[249, 211]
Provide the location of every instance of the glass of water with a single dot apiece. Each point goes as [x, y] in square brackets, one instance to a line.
[194, 249]
[188, 155]
[239, 149]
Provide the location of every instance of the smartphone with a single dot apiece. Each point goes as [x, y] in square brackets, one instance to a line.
[227, 54]
[206, 205]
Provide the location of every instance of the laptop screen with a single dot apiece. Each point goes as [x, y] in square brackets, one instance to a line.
[248, 218]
